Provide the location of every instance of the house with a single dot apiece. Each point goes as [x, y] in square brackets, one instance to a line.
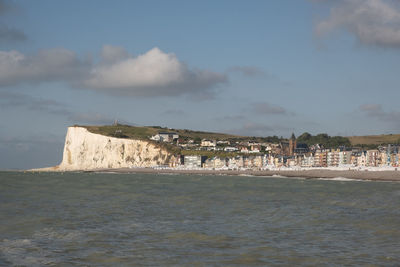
[230, 149]
[244, 149]
[165, 137]
[208, 143]
[255, 148]
[223, 142]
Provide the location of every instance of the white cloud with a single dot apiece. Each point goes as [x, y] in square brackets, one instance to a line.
[46, 65]
[154, 73]
[373, 22]
[111, 54]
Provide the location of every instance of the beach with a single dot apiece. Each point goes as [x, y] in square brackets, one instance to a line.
[306, 173]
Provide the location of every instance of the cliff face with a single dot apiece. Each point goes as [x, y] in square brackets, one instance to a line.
[84, 150]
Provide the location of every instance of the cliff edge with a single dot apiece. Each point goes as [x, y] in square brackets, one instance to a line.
[84, 150]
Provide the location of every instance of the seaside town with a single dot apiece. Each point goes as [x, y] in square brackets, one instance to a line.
[288, 154]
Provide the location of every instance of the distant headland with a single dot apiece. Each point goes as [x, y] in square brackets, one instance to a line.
[124, 147]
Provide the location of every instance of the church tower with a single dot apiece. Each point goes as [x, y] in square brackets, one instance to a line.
[292, 144]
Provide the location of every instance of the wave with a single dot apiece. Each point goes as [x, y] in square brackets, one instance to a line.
[343, 179]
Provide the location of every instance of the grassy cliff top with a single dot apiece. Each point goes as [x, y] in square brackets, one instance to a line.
[144, 132]
[375, 139]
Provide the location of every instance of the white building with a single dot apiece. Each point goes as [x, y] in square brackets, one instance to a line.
[165, 137]
[307, 161]
[208, 143]
[192, 162]
[230, 149]
[344, 158]
[333, 158]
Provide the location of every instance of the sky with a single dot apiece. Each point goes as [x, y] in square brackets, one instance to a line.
[256, 68]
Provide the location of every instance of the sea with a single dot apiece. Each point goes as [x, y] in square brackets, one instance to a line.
[114, 219]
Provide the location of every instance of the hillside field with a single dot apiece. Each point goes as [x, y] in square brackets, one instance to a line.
[375, 139]
[144, 132]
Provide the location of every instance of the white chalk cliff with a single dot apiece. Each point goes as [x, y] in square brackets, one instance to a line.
[84, 150]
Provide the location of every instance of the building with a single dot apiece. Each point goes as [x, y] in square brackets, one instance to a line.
[235, 162]
[208, 143]
[301, 149]
[165, 137]
[362, 159]
[307, 161]
[344, 158]
[320, 158]
[193, 162]
[230, 149]
[223, 142]
[255, 148]
[256, 162]
[292, 144]
[372, 158]
[215, 163]
[333, 158]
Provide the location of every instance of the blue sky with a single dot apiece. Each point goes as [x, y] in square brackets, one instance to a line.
[246, 67]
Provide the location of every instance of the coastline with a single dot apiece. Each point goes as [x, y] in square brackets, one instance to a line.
[307, 174]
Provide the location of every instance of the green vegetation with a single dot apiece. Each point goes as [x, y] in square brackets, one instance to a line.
[132, 132]
[145, 132]
[324, 139]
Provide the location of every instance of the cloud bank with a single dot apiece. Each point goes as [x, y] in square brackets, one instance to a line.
[376, 111]
[12, 100]
[265, 108]
[46, 65]
[9, 34]
[372, 22]
[152, 74]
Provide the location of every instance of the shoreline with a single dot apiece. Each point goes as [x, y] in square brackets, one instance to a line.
[307, 174]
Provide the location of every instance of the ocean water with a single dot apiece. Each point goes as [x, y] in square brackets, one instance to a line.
[99, 219]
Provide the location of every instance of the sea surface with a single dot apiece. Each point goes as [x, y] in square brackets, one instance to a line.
[105, 219]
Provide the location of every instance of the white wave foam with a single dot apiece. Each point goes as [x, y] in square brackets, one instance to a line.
[36, 250]
[342, 179]
[246, 175]
[278, 176]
